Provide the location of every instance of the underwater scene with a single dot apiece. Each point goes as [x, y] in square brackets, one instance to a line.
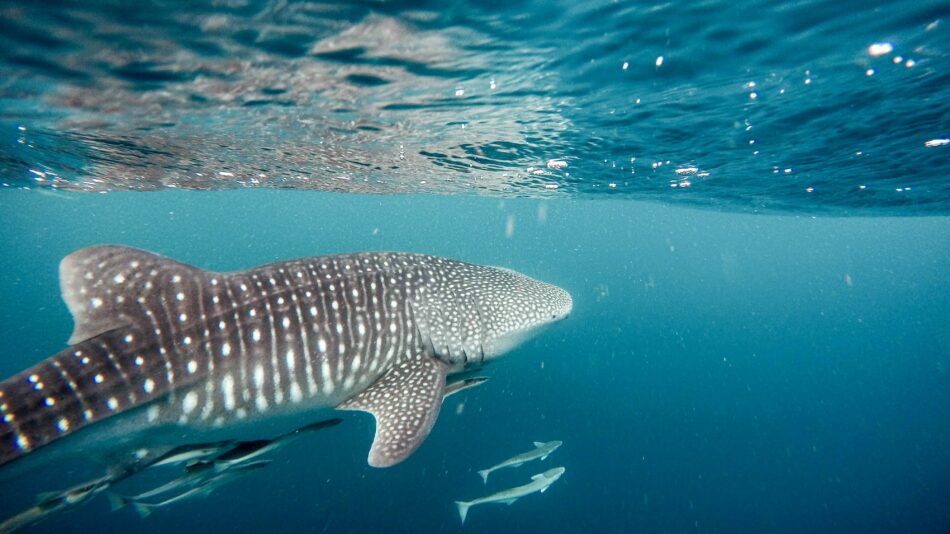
[474, 266]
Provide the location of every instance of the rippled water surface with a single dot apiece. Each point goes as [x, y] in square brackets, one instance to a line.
[821, 107]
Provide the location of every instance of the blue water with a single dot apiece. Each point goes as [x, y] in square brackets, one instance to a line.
[761, 333]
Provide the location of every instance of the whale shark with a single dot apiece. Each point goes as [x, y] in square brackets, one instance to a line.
[164, 353]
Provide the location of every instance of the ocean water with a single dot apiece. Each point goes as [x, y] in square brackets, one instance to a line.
[747, 201]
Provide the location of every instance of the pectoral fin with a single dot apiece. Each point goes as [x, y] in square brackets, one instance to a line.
[405, 402]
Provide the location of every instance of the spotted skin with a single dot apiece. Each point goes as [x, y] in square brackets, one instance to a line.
[406, 403]
[206, 350]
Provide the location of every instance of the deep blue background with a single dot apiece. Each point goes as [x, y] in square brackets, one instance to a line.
[720, 372]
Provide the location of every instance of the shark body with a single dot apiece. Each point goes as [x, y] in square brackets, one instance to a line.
[163, 353]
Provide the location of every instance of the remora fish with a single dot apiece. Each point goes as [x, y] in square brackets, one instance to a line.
[180, 352]
[199, 471]
[539, 483]
[194, 475]
[193, 453]
[203, 489]
[462, 385]
[541, 450]
[244, 451]
[52, 503]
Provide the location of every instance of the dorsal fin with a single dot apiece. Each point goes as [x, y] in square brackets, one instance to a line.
[102, 286]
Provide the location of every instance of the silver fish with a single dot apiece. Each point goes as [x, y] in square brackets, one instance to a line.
[194, 453]
[245, 451]
[539, 484]
[193, 476]
[462, 385]
[541, 451]
[51, 503]
[206, 487]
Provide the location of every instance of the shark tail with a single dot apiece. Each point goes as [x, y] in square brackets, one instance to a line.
[116, 501]
[463, 509]
[484, 473]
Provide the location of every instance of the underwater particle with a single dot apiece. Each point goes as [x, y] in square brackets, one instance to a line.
[936, 142]
[625, 65]
[492, 85]
[847, 280]
[556, 164]
[869, 72]
[910, 63]
[612, 185]
[510, 226]
[753, 95]
[659, 61]
[542, 213]
[879, 49]
[898, 60]
[809, 189]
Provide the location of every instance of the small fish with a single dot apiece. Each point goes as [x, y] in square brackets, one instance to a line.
[190, 454]
[539, 484]
[51, 503]
[195, 475]
[201, 465]
[462, 385]
[244, 451]
[200, 490]
[541, 450]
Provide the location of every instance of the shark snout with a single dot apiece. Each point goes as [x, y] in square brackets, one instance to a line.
[564, 306]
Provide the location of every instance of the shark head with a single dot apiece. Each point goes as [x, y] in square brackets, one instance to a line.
[473, 313]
